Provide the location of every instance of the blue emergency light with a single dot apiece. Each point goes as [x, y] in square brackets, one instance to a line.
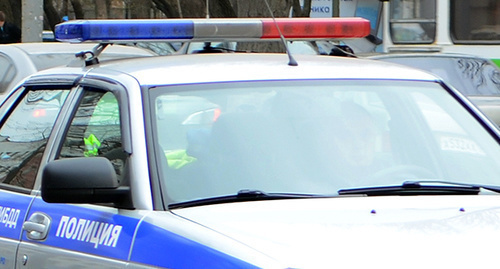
[109, 31]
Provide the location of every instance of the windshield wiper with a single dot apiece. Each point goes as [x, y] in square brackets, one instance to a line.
[424, 187]
[244, 195]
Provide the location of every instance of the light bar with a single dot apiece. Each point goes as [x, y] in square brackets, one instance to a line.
[248, 29]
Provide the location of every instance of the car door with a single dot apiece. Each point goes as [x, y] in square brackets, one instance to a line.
[24, 132]
[87, 235]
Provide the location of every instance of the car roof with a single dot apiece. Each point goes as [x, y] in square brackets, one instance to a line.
[225, 67]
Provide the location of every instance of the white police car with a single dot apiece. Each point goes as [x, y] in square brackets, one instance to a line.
[229, 160]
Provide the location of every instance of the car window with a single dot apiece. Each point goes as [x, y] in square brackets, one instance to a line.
[312, 137]
[7, 72]
[25, 133]
[95, 129]
[413, 21]
[474, 20]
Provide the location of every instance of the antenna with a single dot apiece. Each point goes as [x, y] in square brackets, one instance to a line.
[179, 8]
[291, 60]
[208, 10]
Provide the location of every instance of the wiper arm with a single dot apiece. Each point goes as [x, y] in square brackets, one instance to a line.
[243, 196]
[424, 187]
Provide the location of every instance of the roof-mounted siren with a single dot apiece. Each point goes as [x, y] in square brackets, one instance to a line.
[207, 30]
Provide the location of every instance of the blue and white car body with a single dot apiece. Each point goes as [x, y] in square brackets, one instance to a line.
[228, 160]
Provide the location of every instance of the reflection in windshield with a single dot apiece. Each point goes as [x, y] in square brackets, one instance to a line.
[481, 77]
[315, 137]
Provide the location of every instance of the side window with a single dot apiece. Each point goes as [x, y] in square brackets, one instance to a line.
[24, 135]
[413, 21]
[475, 21]
[95, 130]
[7, 72]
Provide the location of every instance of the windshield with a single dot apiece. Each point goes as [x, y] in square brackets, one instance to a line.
[314, 137]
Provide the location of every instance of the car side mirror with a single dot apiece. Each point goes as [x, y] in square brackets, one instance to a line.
[83, 180]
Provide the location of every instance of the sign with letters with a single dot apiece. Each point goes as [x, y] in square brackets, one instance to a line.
[321, 9]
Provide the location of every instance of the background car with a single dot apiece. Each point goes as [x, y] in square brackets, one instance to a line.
[22, 59]
[476, 77]
[48, 36]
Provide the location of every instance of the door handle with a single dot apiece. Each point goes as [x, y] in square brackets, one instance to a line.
[37, 226]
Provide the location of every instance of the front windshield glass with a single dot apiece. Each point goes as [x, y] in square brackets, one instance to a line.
[314, 137]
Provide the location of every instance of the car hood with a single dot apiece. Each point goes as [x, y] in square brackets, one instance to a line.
[354, 232]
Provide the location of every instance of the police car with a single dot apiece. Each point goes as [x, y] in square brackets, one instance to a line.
[241, 160]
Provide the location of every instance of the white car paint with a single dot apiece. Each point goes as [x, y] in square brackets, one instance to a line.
[360, 232]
